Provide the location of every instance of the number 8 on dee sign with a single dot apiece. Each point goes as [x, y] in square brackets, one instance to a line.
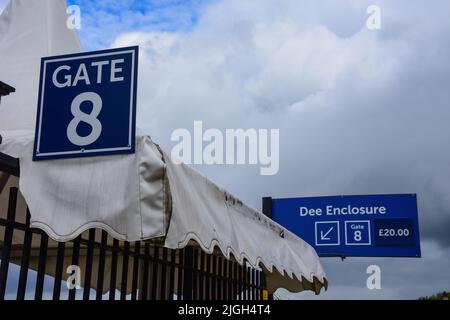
[87, 104]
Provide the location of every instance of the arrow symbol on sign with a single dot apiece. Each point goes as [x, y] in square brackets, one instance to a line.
[324, 236]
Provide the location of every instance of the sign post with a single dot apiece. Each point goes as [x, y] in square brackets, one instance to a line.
[87, 104]
[353, 226]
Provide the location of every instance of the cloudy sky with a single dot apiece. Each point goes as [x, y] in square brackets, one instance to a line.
[359, 111]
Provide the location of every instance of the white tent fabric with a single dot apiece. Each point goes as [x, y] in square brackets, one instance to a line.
[123, 195]
[30, 30]
[133, 197]
[211, 216]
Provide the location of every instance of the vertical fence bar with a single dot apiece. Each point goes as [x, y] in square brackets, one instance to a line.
[223, 276]
[257, 273]
[7, 242]
[208, 278]
[21, 288]
[228, 274]
[240, 280]
[41, 267]
[245, 281]
[194, 274]
[236, 281]
[163, 291]
[201, 280]
[262, 285]
[260, 275]
[172, 274]
[144, 293]
[126, 255]
[180, 274]
[230, 280]
[59, 270]
[101, 266]
[253, 281]
[113, 279]
[225, 279]
[89, 262]
[75, 259]
[219, 277]
[134, 283]
[215, 277]
[188, 276]
[155, 273]
[240, 286]
[249, 283]
[257, 284]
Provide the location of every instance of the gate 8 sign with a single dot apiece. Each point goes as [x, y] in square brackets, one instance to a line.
[87, 104]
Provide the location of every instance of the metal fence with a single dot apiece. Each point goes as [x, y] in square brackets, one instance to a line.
[113, 269]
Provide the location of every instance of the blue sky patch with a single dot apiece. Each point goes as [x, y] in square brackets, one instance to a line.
[103, 21]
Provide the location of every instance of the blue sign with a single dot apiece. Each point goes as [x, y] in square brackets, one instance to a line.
[87, 104]
[354, 226]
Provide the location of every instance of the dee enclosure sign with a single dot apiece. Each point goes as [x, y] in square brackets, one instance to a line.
[87, 104]
[354, 226]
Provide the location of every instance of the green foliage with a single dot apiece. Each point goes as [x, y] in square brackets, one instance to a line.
[438, 296]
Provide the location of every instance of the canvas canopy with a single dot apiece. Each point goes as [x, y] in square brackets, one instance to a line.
[133, 197]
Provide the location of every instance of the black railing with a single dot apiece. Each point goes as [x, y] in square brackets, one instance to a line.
[111, 269]
[5, 90]
[9, 165]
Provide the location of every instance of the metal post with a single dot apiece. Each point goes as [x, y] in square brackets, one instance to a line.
[7, 241]
[188, 273]
[267, 211]
[267, 206]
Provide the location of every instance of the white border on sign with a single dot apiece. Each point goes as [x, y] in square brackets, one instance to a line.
[84, 150]
[358, 244]
[338, 233]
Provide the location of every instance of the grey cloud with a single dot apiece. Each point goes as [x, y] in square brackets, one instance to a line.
[400, 278]
[358, 111]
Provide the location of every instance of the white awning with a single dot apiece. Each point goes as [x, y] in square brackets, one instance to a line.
[30, 30]
[133, 197]
[147, 196]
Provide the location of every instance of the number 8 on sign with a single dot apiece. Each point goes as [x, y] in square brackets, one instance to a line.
[91, 119]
